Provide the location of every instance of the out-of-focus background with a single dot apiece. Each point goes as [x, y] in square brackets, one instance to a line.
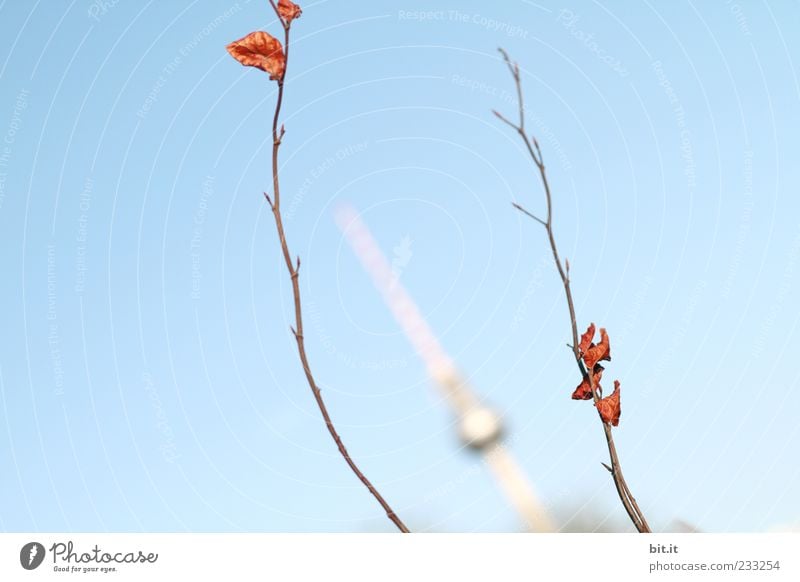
[148, 378]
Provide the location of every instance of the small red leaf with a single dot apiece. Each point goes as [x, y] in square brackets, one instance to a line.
[609, 407]
[584, 391]
[261, 50]
[288, 10]
[586, 339]
[597, 352]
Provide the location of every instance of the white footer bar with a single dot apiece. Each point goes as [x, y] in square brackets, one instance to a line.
[389, 557]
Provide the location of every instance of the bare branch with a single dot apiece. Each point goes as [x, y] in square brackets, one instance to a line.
[502, 118]
[625, 495]
[294, 274]
[533, 216]
[278, 14]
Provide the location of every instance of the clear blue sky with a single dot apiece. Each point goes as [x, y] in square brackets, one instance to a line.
[148, 379]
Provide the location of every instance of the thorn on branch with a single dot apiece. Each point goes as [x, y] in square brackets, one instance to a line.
[269, 201]
[609, 469]
[297, 336]
[297, 267]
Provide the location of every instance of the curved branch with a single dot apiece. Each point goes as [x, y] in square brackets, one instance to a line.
[624, 492]
[294, 273]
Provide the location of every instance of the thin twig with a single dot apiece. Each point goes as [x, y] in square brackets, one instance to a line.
[624, 492]
[524, 211]
[294, 273]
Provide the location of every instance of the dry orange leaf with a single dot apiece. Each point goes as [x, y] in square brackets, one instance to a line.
[597, 352]
[609, 407]
[584, 391]
[586, 339]
[288, 10]
[261, 50]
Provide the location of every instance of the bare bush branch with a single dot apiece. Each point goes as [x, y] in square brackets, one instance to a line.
[293, 268]
[624, 492]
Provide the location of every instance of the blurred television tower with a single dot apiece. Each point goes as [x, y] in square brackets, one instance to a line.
[479, 427]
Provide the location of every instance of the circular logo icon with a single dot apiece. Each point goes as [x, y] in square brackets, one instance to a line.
[31, 555]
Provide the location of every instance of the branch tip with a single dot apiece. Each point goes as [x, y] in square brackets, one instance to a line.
[529, 214]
